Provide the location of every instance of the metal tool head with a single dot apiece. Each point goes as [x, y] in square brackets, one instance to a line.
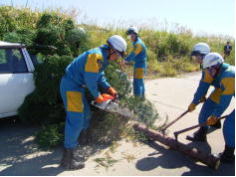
[113, 106]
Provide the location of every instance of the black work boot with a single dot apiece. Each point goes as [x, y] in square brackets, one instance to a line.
[199, 135]
[71, 161]
[77, 161]
[66, 158]
[217, 125]
[228, 155]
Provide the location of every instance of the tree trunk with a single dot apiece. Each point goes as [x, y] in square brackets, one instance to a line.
[208, 159]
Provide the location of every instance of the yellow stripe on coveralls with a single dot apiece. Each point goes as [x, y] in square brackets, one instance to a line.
[139, 73]
[229, 86]
[74, 101]
[138, 49]
[93, 64]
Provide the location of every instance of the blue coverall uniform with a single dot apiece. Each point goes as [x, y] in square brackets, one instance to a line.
[85, 71]
[219, 99]
[139, 56]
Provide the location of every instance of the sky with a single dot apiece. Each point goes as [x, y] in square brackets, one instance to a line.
[212, 17]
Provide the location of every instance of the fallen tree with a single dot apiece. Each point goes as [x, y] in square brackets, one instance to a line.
[208, 159]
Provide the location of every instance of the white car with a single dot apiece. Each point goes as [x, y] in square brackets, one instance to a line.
[16, 77]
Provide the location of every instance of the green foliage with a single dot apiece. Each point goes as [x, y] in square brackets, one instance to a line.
[48, 33]
[118, 79]
[58, 35]
[50, 136]
[45, 103]
[11, 37]
[12, 19]
[77, 41]
[144, 110]
[48, 39]
[48, 75]
[24, 36]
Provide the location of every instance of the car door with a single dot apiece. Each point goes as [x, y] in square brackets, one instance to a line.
[16, 79]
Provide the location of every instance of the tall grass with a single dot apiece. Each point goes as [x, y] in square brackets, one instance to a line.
[168, 49]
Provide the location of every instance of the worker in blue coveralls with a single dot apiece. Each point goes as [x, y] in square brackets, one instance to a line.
[85, 71]
[200, 50]
[222, 77]
[139, 56]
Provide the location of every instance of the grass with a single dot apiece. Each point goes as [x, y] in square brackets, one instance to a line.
[168, 52]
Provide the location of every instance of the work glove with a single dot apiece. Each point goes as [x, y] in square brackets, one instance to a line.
[192, 107]
[113, 92]
[211, 120]
[104, 97]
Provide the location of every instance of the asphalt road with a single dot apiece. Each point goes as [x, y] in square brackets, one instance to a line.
[19, 154]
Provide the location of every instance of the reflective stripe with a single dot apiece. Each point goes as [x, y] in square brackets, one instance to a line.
[228, 84]
[215, 96]
[138, 73]
[93, 63]
[74, 101]
[138, 49]
[207, 77]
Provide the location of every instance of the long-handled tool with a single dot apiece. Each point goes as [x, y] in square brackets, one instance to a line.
[175, 120]
[193, 127]
[203, 99]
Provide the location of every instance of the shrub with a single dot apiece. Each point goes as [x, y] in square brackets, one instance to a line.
[53, 132]
[12, 19]
[45, 103]
[23, 36]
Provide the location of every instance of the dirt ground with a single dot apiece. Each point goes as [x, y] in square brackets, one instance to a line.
[19, 154]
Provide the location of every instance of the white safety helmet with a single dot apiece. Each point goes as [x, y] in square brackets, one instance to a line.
[212, 59]
[118, 43]
[200, 48]
[132, 30]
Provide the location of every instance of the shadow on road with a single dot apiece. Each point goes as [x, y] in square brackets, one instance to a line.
[20, 156]
[170, 159]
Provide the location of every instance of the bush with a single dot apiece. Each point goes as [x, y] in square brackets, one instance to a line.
[54, 133]
[77, 40]
[44, 103]
[23, 36]
[13, 19]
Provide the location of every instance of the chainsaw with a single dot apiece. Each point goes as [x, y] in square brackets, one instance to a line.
[112, 106]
